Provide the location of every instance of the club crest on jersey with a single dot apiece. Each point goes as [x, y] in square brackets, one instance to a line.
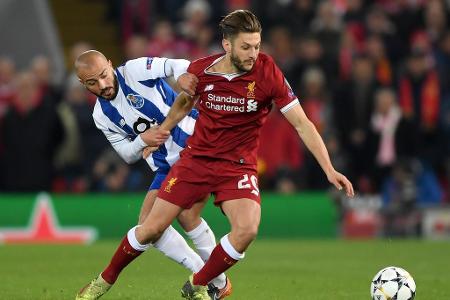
[137, 101]
[251, 89]
[170, 184]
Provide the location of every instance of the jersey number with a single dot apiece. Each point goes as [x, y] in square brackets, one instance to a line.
[245, 184]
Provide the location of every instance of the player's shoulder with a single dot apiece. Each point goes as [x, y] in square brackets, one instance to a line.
[265, 58]
[137, 63]
[268, 69]
[266, 61]
[199, 65]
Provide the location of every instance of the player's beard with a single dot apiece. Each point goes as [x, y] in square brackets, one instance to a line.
[239, 64]
[113, 95]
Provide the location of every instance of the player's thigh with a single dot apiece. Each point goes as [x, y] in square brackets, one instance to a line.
[160, 217]
[147, 205]
[244, 214]
[189, 219]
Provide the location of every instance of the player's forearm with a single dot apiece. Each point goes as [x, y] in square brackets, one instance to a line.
[181, 107]
[314, 142]
[176, 67]
[129, 151]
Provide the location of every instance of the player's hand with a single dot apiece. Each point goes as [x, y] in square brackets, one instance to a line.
[340, 181]
[188, 83]
[155, 136]
[147, 151]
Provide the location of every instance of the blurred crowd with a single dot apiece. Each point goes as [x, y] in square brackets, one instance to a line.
[373, 76]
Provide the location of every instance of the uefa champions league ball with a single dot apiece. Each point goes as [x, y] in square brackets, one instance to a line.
[393, 283]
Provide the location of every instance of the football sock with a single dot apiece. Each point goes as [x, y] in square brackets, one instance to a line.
[174, 246]
[127, 251]
[205, 242]
[223, 257]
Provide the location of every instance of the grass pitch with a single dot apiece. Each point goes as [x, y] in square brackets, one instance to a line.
[272, 269]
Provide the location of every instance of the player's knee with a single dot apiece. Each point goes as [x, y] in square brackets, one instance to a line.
[151, 232]
[189, 220]
[247, 232]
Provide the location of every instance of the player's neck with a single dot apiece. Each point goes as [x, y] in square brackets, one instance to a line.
[224, 66]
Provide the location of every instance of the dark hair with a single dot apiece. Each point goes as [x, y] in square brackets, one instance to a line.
[239, 21]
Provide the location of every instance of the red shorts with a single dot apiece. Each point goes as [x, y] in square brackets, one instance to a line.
[191, 179]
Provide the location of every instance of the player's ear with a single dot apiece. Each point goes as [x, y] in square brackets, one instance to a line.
[226, 44]
[109, 63]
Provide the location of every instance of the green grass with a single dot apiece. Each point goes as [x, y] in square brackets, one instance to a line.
[272, 269]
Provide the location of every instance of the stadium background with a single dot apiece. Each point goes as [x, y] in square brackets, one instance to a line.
[373, 76]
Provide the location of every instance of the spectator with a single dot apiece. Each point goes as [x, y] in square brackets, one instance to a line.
[163, 42]
[420, 97]
[410, 187]
[353, 107]
[383, 67]
[298, 16]
[384, 123]
[282, 49]
[40, 66]
[327, 26]
[136, 46]
[31, 132]
[7, 89]
[435, 19]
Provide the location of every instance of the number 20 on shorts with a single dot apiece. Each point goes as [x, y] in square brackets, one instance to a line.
[246, 183]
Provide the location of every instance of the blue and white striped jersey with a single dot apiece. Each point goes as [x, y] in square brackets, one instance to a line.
[143, 100]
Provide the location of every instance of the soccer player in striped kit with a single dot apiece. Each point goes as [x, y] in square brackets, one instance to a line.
[133, 100]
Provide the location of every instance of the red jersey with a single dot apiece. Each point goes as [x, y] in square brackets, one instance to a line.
[233, 108]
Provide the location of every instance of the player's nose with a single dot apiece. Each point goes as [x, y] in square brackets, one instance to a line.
[101, 84]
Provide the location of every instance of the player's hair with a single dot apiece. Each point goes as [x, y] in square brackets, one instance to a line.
[239, 21]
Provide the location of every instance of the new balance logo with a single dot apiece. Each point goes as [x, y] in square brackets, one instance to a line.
[252, 105]
[209, 87]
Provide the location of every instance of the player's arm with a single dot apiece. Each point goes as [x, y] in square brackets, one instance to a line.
[131, 151]
[161, 67]
[178, 68]
[314, 142]
[181, 107]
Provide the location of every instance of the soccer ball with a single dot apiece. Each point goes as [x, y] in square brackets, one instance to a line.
[393, 283]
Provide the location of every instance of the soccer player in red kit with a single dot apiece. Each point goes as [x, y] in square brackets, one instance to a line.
[235, 92]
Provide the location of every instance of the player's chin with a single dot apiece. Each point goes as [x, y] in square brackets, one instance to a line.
[108, 96]
[248, 67]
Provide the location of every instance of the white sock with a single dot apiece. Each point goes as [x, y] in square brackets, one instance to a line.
[131, 235]
[174, 246]
[205, 242]
[229, 249]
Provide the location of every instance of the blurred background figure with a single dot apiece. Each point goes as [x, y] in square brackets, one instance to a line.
[31, 133]
[408, 189]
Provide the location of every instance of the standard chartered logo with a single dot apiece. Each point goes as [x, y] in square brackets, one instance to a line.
[252, 105]
[231, 104]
